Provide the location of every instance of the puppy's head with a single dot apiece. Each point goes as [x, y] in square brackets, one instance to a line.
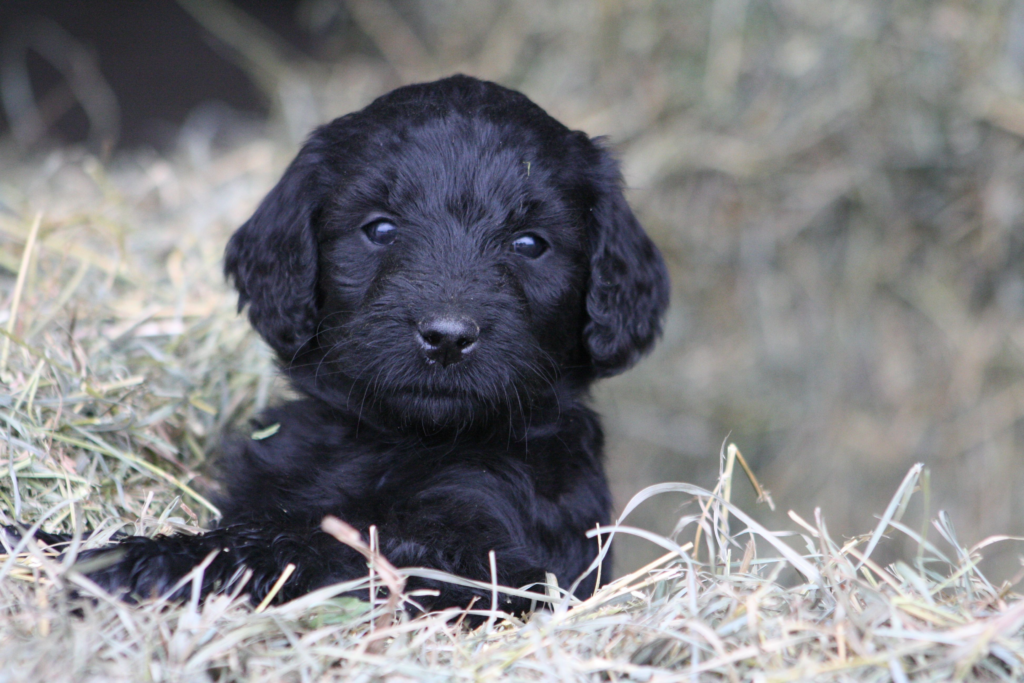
[449, 254]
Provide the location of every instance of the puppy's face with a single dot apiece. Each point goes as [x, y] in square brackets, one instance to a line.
[449, 255]
[452, 274]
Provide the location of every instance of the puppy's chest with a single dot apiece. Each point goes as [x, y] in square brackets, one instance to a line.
[420, 474]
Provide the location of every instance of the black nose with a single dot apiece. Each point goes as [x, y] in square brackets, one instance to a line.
[446, 339]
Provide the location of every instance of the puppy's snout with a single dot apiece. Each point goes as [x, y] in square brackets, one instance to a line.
[447, 339]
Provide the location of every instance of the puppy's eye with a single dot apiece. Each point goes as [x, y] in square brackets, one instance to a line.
[529, 246]
[381, 232]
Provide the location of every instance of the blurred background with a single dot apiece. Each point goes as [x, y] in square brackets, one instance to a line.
[837, 186]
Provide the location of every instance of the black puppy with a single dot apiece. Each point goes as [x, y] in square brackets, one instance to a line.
[442, 275]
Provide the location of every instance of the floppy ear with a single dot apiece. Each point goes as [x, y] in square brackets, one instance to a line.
[273, 260]
[629, 287]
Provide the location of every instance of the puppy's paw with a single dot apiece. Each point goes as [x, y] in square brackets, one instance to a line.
[13, 536]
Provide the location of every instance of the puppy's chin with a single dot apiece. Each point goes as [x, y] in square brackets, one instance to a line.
[434, 410]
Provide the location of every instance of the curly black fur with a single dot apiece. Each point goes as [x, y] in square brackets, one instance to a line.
[470, 440]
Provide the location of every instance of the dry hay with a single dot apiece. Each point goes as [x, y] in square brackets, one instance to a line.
[124, 360]
[836, 187]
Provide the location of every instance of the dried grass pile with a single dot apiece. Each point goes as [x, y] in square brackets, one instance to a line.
[836, 186]
[123, 359]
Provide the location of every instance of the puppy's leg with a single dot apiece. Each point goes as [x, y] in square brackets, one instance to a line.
[456, 551]
[455, 595]
[13, 535]
[147, 567]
